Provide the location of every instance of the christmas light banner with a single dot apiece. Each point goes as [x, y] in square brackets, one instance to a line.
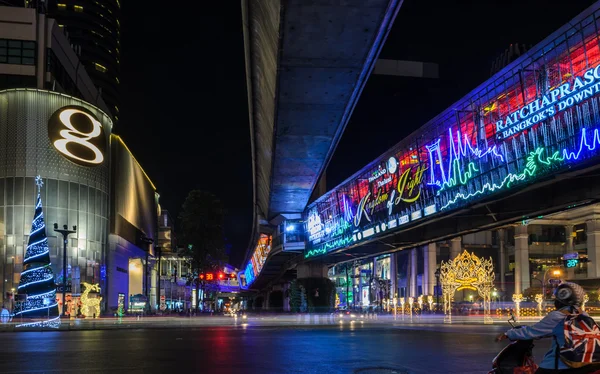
[538, 117]
[258, 259]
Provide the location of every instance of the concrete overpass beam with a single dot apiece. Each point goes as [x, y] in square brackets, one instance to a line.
[286, 297]
[593, 248]
[522, 275]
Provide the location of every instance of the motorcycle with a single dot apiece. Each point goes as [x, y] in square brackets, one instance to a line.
[516, 357]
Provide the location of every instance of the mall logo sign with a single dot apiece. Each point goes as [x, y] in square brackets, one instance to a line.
[76, 133]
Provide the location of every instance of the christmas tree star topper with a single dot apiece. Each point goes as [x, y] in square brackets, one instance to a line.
[39, 182]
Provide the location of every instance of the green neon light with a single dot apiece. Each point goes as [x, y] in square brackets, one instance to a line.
[340, 242]
[531, 168]
[461, 178]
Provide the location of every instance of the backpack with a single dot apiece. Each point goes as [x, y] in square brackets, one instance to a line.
[582, 341]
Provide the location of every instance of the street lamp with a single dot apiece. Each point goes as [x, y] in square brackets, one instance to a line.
[65, 232]
[555, 272]
[437, 293]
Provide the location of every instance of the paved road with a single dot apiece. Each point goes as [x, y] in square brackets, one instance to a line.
[255, 348]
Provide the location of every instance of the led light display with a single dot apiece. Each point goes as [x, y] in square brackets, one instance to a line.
[37, 279]
[540, 116]
[257, 261]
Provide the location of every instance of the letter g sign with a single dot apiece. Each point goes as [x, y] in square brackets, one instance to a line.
[76, 133]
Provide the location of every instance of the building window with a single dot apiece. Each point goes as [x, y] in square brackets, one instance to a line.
[17, 52]
[78, 8]
[100, 67]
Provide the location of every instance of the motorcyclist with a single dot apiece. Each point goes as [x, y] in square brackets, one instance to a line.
[568, 299]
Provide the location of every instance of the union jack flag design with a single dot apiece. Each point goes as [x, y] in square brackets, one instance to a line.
[582, 341]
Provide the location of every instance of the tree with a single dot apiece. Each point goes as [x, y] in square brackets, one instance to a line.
[201, 231]
[37, 278]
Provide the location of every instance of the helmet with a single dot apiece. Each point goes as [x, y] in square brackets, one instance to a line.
[569, 293]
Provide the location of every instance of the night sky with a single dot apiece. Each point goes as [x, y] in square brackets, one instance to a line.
[184, 110]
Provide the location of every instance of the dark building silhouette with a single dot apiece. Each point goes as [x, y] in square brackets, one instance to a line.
[93, 29]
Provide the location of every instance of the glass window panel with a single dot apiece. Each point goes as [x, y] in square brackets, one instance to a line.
[29, 45]
[82, 227]
[1, 191]
[92, 200]
[3, 59]
[91, 227]
[3, 42]
[99, 197]
[50, 216]
[14, 52]
[9, 191]
[14, 43]
[63, 194]
[83, 197]
[14, 60]
[52, 191]
[9, 220]
[62, 218]
[3, 51]
[28, 53]
[18, 191]
[73, 215]
[30, 192]
[74, 196]
[19, 223]
[28, 61]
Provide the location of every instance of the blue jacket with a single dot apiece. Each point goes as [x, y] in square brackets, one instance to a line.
[550, 326]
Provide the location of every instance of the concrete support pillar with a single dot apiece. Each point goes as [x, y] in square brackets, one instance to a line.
[568, 238]
[266, 300]
[455, 247]
[393, 276]
[429, 267]
[413, 273]
[286, 297]
[502, 259]
[522, 275]
[593, 248]
[311, 270]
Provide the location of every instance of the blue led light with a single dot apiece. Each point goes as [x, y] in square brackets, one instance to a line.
[37, 280]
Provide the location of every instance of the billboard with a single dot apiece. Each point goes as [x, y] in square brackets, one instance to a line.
[538, 117]
[257, 261]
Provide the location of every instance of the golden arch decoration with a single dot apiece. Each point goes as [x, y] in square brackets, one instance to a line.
[467, 272]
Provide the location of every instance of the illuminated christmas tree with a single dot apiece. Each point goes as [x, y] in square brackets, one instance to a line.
[37, 278]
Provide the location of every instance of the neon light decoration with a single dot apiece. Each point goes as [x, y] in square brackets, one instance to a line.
[37, 279]
[258, 259]
[536, 118]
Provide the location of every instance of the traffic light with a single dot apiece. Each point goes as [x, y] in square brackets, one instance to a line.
[221, 276]
[571, 263]
[201, 276]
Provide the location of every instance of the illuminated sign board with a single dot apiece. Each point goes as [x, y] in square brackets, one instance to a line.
[257, 261]
[78, 135]
[534, 119]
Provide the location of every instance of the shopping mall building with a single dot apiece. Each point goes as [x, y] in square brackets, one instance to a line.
[54, 123]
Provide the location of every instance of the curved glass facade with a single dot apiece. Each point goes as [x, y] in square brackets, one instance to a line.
[72, 194]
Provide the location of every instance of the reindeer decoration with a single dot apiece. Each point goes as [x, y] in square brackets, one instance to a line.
[90, 303]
